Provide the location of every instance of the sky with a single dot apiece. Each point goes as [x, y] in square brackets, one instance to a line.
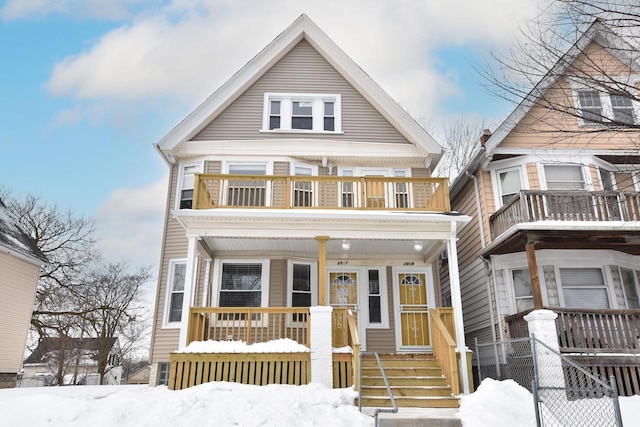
[89, 85]
[223, 404]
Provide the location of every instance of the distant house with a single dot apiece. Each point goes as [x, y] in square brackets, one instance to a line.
[74, 361]
[555, 200]
[300, 189]
[140, 376]
[20, 262]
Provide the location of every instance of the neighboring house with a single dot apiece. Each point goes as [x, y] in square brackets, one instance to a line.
[300, 183]
[556, 206]
[140, 376]
[20, 262]
[75, 360]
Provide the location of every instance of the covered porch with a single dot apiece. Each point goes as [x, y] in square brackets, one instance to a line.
[362, 266]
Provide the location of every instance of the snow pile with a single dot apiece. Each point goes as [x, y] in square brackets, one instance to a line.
[283, 345]
[217, 404]
[498, 403]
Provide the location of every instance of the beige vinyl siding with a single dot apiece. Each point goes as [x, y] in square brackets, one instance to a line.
[278, 283]
[420, 173]
[532, 175]
[475, 300]
[469, 243]
[174, 246]
[18, 282]
[302, 70]
[544, 128]
[384, 340]
[213, 167]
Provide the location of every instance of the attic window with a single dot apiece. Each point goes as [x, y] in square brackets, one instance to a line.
[595, 107]
[302, 112]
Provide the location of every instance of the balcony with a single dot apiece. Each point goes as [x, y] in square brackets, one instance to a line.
[533, 206]
[212, 191]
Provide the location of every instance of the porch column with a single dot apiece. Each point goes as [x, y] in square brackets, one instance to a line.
[189, 285]
[456, 302]
[322, 269]
[535, 279]
[542, 325]
[321, 345]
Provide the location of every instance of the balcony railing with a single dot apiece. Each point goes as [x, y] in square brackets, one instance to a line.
[320, 192]
[531, 206]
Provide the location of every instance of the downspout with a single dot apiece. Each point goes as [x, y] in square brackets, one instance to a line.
[487, 263]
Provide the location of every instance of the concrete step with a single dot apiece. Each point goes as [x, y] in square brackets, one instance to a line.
[418, 417]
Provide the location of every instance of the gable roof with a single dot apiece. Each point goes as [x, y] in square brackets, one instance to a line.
[597, 32]
[15, 241]
[301, 28]
[49, 345]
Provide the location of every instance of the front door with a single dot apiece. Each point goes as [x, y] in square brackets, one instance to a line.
[414, 296]
[343, 293]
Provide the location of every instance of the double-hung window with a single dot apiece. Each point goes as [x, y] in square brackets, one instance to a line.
[175, 291]
[584, 288]
[302, 112]
[522, 289]
[302, 285]
[303, 188]
[241, 285]
[509, 183]
[187, 180]
[249, 191]
[630, 287]
[596, 107]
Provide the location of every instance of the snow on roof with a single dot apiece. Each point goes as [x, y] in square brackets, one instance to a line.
[15, 240]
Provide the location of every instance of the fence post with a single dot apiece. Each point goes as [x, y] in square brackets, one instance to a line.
[616, 401]
[478, 361]
[321, 345]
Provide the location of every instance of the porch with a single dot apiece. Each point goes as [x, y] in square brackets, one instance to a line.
[261, 325]
[605, 341]
[567, 206]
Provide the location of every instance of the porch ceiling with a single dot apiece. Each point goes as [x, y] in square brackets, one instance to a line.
[309, 247]
[623, 240]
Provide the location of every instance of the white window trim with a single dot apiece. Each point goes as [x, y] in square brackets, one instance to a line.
[584, 168]
[181, 168]
[495, 179]
[605, 101]
[606, 277]
[314, 184]
[318, 100]
[168, 291]
[507, 269]
[264, 284]
[314, 281]
[268, 172]
[636, 283]
[384, 300]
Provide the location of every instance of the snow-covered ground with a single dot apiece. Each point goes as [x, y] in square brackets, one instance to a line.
[495, 403]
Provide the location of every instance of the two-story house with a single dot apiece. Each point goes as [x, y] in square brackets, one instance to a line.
[554, 195]
[20, 262]
[300, 183]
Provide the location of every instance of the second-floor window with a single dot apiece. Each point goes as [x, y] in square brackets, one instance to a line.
[509, 184]
[302, 112]
[186, 186]
[250, 191]
[564, 177]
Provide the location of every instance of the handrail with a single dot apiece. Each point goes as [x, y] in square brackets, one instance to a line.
[444, 348]
[354, 342]
[394, 408]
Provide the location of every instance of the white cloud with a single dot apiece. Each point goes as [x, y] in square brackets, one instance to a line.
[104, 9]
[189, 48]
[129, 224]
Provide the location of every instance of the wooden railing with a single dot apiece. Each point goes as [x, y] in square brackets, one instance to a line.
[444, 345]
[354, 343]
[531, 206]
[320, 192]
[588, 331]
[251, 324]
[345, 333]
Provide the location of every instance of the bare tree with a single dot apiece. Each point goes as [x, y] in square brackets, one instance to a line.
[460, 142]
[554, 50]
[113, 308]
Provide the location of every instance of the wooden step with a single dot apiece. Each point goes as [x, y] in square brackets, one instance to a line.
[381, 390]
[411, 402]
[416, 380]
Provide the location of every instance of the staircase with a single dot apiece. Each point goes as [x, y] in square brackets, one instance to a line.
[416, 380]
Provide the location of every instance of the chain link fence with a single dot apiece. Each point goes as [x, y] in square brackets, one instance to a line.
[565, 394]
